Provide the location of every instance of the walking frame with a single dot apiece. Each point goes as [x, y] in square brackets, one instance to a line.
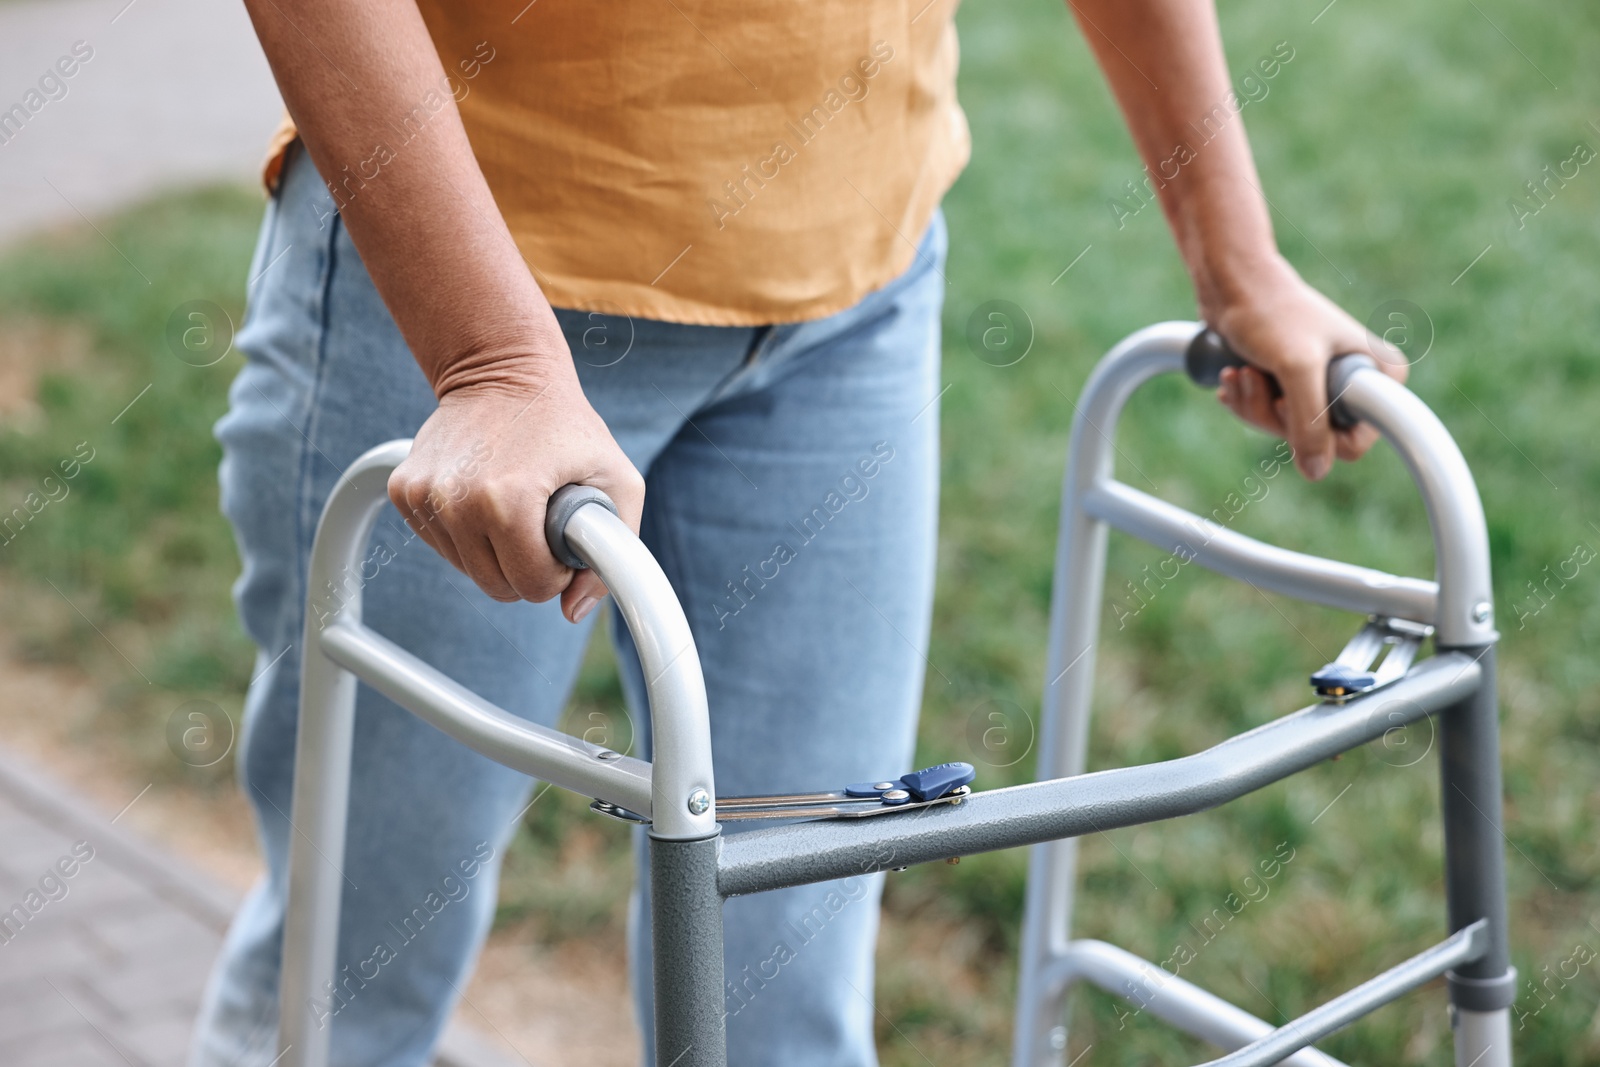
[693, 868]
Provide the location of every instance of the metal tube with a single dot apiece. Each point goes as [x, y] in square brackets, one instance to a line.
[1280, 570]
[1080, 562]
[322, 765]
[686, 940]
[1102, 800]
[684, 794]
[1474, 842]
[549, 755]
[1465, 615]
[1169, 998]
[1483, 1038]
[1462, 946]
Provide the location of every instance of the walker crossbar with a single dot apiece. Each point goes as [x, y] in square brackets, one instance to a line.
[1253, 1042]
[1278, 570]
[692, 868]
[555, 757]
[1463, 946]
[1168, 998]
[1088, 803]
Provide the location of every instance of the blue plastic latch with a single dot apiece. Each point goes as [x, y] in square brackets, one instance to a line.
[934, 782]
[1336, 680]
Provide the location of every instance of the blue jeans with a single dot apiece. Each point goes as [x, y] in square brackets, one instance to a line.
[792, 498]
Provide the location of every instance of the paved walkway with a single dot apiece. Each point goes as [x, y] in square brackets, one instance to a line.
[173, 93]
[104, 965]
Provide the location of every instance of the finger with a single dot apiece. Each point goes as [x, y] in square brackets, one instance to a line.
[1228, 388]
[1352, 444]
[582, 595]
[1228, 396]
[514, 516]
[627, 492]
[1390, 359]
[424, 522]
[1257, 405]
[1305, 398]
[530, 567]
[1234, 391]
[439, 521]
[481, 563]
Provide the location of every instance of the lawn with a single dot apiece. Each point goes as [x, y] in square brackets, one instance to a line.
[1393, 145]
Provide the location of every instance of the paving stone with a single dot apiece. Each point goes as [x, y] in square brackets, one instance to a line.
[46, 948]
[78, 1048]
[30, 852]
[57, 1019]
[162, 1039]
[175, 976]
[128, 933]
[128, 948]
[96, 886]
[30, 1011]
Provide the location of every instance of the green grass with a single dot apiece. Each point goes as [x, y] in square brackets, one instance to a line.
[135, 547]
[1390, 144]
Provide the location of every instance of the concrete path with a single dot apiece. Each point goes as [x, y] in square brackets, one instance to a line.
[173, 93]
[104, 963]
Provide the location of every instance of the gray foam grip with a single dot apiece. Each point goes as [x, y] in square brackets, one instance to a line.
[563, 504]
[1209, 354]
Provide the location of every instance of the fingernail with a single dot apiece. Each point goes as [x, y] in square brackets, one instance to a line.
[1317, 467]
[582, 608]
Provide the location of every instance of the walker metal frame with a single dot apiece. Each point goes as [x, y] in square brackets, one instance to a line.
[693, 868]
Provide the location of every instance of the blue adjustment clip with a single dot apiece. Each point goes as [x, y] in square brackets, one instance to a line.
[944, 784]
[930, 783]
[1337, 681]
[934, 782]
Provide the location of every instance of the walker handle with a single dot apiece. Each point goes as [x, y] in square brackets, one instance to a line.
[1209, 354]
[563, 504]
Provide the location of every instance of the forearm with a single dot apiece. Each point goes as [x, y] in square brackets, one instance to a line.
[420, 211]
[1164, 62]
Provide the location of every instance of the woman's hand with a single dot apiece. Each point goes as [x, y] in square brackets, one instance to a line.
[482, 470]
[1212, 199]
[513, 426]
[1285, 328]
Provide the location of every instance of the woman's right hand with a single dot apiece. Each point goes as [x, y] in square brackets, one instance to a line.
[513, 425]
[482, 470]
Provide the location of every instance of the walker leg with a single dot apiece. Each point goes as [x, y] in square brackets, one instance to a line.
[1041, 1033]
[316, 859]
[1483, 1038]
[686, 933]
[1041, 1029]
[321, 797]
[1482, 991]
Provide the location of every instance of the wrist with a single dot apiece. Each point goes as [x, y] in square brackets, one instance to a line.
[1223, 281]
[1224, 233]
[513, 370]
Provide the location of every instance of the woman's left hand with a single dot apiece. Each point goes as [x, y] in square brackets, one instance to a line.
[1285, 328]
